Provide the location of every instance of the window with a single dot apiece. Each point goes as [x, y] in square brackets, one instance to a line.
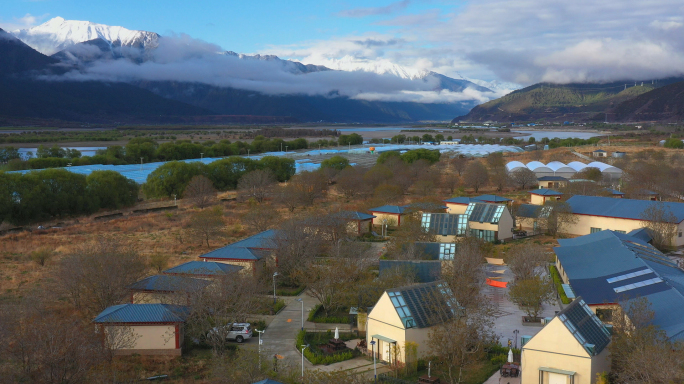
[594, 230]
[605, 315]
[402, 309]
[483, 234]
[680, 234]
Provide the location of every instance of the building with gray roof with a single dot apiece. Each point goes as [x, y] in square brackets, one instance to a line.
[203, 269]
[607, 268]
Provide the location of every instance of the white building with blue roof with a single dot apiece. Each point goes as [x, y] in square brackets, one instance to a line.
[596, 213]
[144, 329]
[608, 268]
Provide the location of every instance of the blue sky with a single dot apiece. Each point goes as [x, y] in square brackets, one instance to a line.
[241, 26]
[520, 41]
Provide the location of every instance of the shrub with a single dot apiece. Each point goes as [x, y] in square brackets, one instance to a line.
[557, 282]
[41, 256]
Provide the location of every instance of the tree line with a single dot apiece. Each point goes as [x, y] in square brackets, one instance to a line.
[58, 193]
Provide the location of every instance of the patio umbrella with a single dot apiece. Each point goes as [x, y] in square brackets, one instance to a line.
[337, 333]
[510, 355]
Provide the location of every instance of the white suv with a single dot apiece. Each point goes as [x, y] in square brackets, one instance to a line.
[238, 332]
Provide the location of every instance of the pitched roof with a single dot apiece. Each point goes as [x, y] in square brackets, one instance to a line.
[169, 283]
[528, 210]
[268, 381]
[552, 178]
[545, 192]
[352, 215]
[461, 200]
[585, 326]
[232, 252]
[203, 268]
[492, 199]
[423, 305]
[610, 267]
[388, 209]
[437, 251]
[143, 313]
[425, 270]
[262, 240]
[620, 208]
[643, 234]
[614, 192]
[599, 150]
[445, 224]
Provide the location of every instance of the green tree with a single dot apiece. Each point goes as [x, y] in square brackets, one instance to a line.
[531, 294]
[439, 137]
[384, 156]
[282, 168]
[171, 178]
[110, 189]
[432, 156]
[226, 173]
[336, 162]
[674, 143]
[353, 139]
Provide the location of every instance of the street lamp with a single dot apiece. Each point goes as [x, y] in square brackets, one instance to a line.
[260, 332]
[303, 348]
[375, 369]
[286, 149]
[302, 301]
[201, 155]
[248, 153]
[274, 290]
[515, 332]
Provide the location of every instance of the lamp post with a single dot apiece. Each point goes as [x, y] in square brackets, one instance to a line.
[141, 159]
[274, 290]
[302, 301]
[303, 348]
[248, 153]
[201, 155]
[260, 332]
[515, 332]
[375, 370]
[286, 149]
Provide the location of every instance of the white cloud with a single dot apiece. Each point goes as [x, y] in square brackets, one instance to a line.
[27, 21]
[526, 41]
[374, 11]
[184, 59]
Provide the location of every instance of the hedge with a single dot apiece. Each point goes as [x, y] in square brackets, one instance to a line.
[313, 317]
[317, 358]
[559, 284]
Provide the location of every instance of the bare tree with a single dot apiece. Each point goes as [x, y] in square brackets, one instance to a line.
[555, 216]
[200, 191]
[296, 247]
[500, 178]
[43, 346]
[589, 173]
[206, 224]
[527, 261]
[531, 294]
[641, 352]
[257, 185]
[159, 261]
[459, 346]
[261, 217]
[96, 276]
[388, 194]
[214, 310]
[475, 175]
[350, 182]
[523, 178]
[586, 188]
[459, 164]
[465, 274]
[42, 255]
[303, 189]
[661, 224]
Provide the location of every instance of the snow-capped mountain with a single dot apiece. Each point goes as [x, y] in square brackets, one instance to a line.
[500, 87]
[58, 34]
[288, 65]
[380, 66]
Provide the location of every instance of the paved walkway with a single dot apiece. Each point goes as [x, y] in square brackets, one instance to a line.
[281, 333]
[509, 316]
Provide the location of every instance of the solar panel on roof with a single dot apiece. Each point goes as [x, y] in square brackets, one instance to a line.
[639, 284]
[629, 275]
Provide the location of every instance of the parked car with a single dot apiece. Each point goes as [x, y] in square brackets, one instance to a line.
[238, 332]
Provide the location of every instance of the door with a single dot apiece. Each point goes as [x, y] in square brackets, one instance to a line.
[557, 378]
